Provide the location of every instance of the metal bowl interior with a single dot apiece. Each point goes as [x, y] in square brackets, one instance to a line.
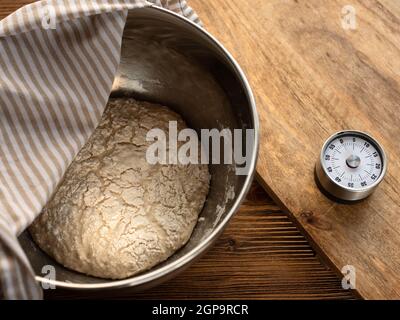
[169, 60]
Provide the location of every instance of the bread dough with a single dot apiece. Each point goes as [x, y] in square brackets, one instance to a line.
[114, 214]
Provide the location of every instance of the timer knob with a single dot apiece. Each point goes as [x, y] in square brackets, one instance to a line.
[353, 161]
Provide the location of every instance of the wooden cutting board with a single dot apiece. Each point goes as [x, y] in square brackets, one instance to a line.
[311, 78]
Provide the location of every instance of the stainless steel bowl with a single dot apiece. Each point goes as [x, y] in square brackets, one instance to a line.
[170, 60]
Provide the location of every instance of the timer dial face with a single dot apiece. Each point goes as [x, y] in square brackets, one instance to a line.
[353, 161]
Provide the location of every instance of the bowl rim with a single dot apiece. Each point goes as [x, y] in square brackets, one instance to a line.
[174, 266]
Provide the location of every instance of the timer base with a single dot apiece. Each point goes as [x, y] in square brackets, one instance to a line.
[332, 197]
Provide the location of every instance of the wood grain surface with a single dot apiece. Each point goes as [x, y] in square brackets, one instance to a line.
[262, 254]
[311, 78]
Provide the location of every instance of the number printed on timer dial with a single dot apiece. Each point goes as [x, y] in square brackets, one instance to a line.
[351, 166]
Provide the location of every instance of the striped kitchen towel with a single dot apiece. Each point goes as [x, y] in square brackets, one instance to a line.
[57, 66]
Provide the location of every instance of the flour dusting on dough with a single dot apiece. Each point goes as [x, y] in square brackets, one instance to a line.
[114, 214]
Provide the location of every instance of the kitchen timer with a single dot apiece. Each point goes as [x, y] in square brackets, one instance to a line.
[351, 165]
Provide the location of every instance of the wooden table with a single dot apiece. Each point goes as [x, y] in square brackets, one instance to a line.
[272, 259]
[313, 75]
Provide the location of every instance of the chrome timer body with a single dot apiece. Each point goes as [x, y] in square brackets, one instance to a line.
[351, 165]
